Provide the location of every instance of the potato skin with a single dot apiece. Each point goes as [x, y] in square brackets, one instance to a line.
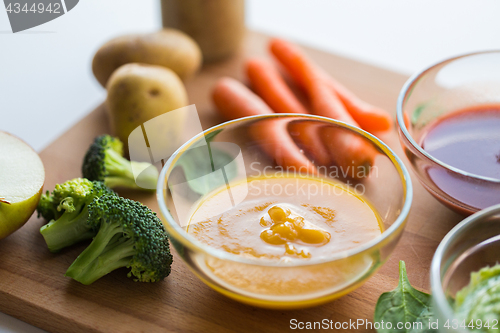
[168, 48]
[138, 93]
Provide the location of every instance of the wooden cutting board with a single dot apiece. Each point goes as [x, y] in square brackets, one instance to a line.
[32, 283]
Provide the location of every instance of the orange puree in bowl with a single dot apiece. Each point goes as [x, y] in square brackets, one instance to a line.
[286, 219]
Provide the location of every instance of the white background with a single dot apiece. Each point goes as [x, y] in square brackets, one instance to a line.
[46, 84]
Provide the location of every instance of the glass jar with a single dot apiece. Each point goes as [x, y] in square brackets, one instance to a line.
[218, 26]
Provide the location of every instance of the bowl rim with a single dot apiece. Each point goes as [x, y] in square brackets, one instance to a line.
[181, 236]
[408, 87]
[438, 294]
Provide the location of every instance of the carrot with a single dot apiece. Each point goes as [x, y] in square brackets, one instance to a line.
[303, 71]
[352, 154]
[326, 104]
[267, 82]
[369, 117]
[270, 86]
[234, 100]
[323, 102]
[347, 150]
[277, 143]
[306, 135]
[293, 61]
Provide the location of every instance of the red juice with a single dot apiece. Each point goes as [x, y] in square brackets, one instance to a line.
[468, 140]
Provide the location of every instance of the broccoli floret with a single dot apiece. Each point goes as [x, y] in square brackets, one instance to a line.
[67, 210]
[130, 235]
[104, 161]
[46, 207]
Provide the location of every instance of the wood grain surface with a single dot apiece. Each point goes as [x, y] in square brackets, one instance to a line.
[32, 283]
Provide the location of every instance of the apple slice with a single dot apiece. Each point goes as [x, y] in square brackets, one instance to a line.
[21, 181]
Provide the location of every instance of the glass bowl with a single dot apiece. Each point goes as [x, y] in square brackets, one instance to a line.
[471, 245]
[232, 153]
[453, 84]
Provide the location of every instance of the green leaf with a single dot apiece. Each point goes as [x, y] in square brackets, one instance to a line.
[422, 325]
[404, 304]
[480, 299]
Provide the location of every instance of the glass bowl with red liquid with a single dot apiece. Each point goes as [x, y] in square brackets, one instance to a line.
[449, 126]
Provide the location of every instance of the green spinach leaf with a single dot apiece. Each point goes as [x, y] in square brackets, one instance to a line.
[404, 304]
[423, 323]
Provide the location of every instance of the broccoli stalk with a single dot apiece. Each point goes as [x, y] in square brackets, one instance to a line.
[130, 235]
[69, 229]
[103, 255]
[68, 207]
[104, 161]
[120, 174]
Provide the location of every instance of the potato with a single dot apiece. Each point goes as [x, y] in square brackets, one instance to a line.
[168, 48]
[138, 93]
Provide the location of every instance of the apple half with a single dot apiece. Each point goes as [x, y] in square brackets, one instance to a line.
[21, 182]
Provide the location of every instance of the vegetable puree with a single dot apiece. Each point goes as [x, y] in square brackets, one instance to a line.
[287, 218]
[480, 300]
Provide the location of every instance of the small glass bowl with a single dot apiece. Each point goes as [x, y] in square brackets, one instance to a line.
[272, 283]
[471, 245]
[453, 84]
